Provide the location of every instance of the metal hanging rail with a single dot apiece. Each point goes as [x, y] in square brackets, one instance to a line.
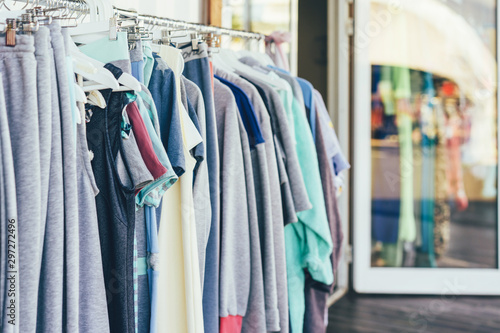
[82, 7]
[202, 28]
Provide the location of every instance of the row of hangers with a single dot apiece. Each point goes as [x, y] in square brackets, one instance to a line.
[105, 21]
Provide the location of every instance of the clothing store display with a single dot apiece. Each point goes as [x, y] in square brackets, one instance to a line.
[198, 196]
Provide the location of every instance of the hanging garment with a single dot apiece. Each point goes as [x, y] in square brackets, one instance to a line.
[287, 161]
[132, 156]
[21, 102]
[203, 209]
[316, 293]
[179, 290]
[9, 320]
[278, 238]
[234, 284]
[330, 154]
[314, 220]
[71, 224]
[201, 185]
[51, 276]
[93, 311]
[267, 188]
[163, 91]
[115, 211]
[279, 105]
[116, 53]
[197, 69]
[264, 205]
[255, 317]
[192, 141]
[43, 55]
[308, 242]
[333, 148]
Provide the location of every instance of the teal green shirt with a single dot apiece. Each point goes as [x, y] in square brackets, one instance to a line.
[308, 242]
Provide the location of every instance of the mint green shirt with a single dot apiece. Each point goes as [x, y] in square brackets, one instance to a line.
[308, 242]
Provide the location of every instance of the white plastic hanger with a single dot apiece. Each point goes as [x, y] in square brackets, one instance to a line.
[86, 33]
[92, 69]
[95, 98]
[230, 58]
[100, 77]
[101, 23]
[80, 94]
[128, 81]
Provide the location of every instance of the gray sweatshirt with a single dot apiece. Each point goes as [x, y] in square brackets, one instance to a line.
[234, 280]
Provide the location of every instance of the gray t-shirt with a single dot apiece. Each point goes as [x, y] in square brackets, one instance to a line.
[255, 318]
[267, 189]
[234, 281]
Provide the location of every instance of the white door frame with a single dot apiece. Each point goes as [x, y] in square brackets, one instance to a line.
[369, 279]
[339, 107]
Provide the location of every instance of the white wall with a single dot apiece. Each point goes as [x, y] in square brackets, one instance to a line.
[186, 10]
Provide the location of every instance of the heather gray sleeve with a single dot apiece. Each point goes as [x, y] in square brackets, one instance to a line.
[201, 186]
[234, 282]
[140, 175]
[255, 318]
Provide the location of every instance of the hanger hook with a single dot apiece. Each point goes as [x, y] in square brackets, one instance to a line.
[4, 5]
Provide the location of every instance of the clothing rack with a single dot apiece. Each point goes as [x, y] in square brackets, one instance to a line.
[82, 7]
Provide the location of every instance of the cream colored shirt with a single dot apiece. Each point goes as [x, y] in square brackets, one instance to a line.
[179, 285]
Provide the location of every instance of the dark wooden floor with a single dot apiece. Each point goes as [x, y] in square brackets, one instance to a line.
[402, 314]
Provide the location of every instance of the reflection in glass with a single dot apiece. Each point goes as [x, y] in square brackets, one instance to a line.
[434, 134]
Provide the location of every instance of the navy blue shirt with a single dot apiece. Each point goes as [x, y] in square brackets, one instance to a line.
[247, 113]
